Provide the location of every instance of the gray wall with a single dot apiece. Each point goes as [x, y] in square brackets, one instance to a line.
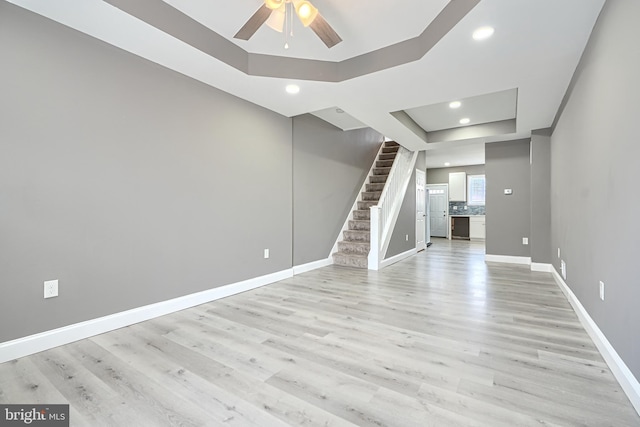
[129, 183]
[595, 176]
[441, 175]
[508, 217]
[406, 224]
[540, 238]
[133, 184]
[329, 168]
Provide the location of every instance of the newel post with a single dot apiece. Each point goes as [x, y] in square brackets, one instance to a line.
[374, 244]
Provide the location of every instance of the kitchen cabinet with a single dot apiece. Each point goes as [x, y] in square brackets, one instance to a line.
[477, 228]
[457, 187]
[460, 227]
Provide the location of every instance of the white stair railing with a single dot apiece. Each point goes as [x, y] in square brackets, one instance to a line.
[385, 213]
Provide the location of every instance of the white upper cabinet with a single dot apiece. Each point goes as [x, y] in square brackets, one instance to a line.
[457, 187]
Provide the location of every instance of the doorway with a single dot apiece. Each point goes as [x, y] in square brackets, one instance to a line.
[421, 202]
[438, 209]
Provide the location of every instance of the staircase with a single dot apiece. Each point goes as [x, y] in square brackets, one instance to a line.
[354, 248]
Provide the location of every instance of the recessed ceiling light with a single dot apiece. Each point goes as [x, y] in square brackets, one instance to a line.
[455, 104]
[483, 33]
[447, 164]
[292, 89]
[464, 121]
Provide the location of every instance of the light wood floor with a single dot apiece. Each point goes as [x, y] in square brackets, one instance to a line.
[441, 339]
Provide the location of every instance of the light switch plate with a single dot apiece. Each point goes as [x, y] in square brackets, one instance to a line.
[508, 191]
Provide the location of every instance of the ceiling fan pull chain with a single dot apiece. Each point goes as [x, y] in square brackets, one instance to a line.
[291, 18]
[288, 27]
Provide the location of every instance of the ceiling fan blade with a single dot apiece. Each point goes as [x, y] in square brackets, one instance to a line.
[252, 25]
[325, 32]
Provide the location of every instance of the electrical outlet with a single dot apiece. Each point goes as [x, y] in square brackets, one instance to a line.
[50, 288]
[602, 290]
[525, 240]
[266, 253]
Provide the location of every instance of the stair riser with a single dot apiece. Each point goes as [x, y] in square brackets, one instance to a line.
[381, 171]
[375, 187]
[391, 144]
[384, 163]
[359, 225]
[390, 149]
[356, 236]
[361, 215]
[387, 156]
[347, 261]
[353, 248]
[371, 195]
[378, 179]
[366, 205]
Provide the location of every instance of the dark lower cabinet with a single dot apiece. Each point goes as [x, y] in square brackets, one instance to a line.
[460, 227]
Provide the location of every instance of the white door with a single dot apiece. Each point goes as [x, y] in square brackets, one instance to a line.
[438, 209]
[428, 219]
[421, 201]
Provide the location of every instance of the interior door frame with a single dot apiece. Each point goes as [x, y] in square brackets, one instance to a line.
[446, 198]
[423, 246]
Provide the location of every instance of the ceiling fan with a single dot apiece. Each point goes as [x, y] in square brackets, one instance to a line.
[276, 13]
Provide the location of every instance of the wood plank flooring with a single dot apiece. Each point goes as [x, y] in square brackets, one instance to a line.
[440, 339]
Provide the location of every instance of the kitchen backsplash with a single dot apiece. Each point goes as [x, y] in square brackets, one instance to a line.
[464, 209]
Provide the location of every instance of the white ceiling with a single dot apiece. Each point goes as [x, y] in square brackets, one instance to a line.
[339, 118]
[492, 107]
[535, 49]
[457, 155]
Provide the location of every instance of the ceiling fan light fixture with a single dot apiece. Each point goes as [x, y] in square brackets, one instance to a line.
[276, 20]
[306, 12]
[274, 4]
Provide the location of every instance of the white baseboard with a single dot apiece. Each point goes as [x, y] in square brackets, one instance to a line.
[299, 269]
[387, 262]
[31, 344]
[537, 266]
[508, 259]
[623, 374]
